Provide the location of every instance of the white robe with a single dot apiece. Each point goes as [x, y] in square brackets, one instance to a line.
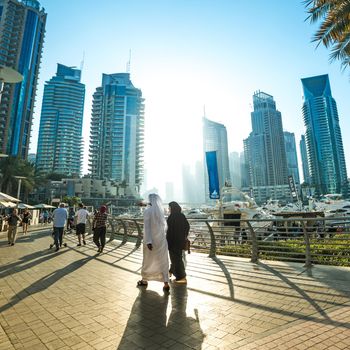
[155, 264]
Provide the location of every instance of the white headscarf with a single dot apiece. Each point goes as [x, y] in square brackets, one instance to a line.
[157, 209]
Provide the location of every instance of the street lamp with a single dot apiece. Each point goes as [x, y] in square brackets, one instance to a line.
[8, 75]
[19, 178]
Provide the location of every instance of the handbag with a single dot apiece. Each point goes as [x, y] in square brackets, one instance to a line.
[187, 246]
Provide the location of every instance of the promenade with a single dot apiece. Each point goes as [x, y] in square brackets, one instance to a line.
[79, 299]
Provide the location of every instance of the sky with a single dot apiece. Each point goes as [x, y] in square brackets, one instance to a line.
[187, 57]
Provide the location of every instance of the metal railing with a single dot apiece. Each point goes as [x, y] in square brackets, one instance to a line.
[306, 240]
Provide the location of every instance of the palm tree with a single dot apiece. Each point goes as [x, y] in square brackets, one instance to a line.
[11, 167]
[334, 30]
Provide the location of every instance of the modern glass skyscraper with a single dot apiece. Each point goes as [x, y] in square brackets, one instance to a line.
[215, 139]
[264, 148]
[304, 161]
[323, 137]
[22, 28]
[60, 134]
[117, 132]
[292, 158]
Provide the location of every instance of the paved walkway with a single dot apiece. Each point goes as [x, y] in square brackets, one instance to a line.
[77, 299]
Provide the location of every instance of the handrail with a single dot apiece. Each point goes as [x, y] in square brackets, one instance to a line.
[308, 240]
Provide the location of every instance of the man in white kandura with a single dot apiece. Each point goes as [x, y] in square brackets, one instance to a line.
[155, 264]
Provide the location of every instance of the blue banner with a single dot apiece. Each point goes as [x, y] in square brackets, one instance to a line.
[212, 166]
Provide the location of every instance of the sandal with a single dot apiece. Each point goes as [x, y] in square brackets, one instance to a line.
[166, 288]
[142, 283]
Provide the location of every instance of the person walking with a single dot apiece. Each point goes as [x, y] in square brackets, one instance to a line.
[13, 220]
[26, 216]
[82, 216]
[155, 263]
[100, 227]
[178, 228]
[60, 216]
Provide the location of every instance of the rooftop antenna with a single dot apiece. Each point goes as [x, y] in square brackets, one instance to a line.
[128, 63]
[82, 61]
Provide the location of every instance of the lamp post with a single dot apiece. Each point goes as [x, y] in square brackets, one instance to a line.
[19, 178]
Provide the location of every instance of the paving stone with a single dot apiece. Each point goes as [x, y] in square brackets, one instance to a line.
[75, 299]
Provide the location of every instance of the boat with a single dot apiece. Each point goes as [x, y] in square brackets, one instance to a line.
[195, 213]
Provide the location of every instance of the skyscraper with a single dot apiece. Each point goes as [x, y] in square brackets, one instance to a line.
[117, 132]
[323, 137]
[215, 139]
[265, 148]
[292, 158]
[304, 161]
[235, 169]
[60, 133]
[22, 28]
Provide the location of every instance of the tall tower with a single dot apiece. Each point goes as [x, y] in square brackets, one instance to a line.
[304, 161]
[292, 158]
[323, 137]
[22, 29]
[60, 134]
[215, 139]
[265, 146]
[117, 132]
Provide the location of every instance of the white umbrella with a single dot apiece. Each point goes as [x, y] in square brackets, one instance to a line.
[6, 204]
[24, 206]
[8, 198]
[43, 206]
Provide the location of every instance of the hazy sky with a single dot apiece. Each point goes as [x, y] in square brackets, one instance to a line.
[187, 54]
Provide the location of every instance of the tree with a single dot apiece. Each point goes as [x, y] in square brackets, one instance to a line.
[11, 167]
[72, 201]
[334, 30]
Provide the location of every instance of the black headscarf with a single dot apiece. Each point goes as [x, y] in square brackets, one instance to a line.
[178, 227]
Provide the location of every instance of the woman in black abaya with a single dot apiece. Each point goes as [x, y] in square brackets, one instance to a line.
[178, 228]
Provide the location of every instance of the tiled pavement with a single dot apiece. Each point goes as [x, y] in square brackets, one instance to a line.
[77, 299]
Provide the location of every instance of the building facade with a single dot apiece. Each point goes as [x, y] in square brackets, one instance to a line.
[304, 161]
[264, 149]
[215, 139]
[117, 132]
[22, 29]
[60, 147]
[265, 146]
[291, 154]
[323, 137]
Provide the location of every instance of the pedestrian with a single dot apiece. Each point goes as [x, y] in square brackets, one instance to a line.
[178, 228]
[26, 216]
[100, 227]
[82, 216]
[60, 216]
[12, 221]
[45, 216]
[155, 262]
[70, 221]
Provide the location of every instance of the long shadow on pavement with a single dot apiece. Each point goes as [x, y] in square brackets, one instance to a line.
[147, 326]
[45, 282]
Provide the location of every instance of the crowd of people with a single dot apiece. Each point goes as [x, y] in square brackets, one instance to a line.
[164, 241]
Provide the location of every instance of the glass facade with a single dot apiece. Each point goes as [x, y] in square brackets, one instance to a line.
[215, 139]
[117, 132]
[22, 25]
[264, 148]
[304, 161]
[292, 158]
[323, 138]
[60, 145]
